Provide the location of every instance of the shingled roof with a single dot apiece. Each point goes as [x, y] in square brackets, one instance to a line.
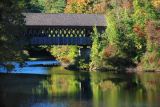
[43, 19]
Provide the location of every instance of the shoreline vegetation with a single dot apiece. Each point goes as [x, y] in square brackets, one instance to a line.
[130, 42]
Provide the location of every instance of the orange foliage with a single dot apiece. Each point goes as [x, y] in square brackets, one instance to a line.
[139, 31]
[159, 62]
[76, 6]
[151, 31]
[100, 7]
[78, 1]
[158, 34]
[85, 6]
[109, 51]
[152, 58]
[127, 5]
[65, 60]
[156, 4]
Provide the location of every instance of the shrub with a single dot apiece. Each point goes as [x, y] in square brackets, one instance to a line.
[65, 54]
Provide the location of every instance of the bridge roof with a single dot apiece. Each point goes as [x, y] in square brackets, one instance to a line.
[43, 19]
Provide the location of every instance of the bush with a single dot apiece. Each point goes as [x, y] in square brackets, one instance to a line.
[65, 54]
[96, 51]
[150, 61]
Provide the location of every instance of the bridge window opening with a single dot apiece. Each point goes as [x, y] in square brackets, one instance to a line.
[67, 35]
[71, 35]
[64, 31]
[44, 34]
[42, 31]
[48, 32]
[49, 35]
[53, 35]
[60, 32]
[51, 31]
[56, 32]
[69, 32]
[73, 32]
[78, 33]
[58, 35]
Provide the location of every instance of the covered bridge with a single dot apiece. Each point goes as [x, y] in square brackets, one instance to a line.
[62, 29]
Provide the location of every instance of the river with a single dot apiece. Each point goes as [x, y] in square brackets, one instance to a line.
[43, 86]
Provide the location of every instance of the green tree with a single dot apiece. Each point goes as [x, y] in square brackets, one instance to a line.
[11, 27]
[35, 6]
[96, 51]
[54, 6]
[45, 6]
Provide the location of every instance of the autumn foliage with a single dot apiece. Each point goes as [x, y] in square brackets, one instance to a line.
[153, 32]
[139, 31]
[109, 51]
[156, 4]
[86, 6]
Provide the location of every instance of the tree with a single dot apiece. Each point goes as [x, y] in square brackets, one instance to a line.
[54, 6]
[65, 54]
[126, 31]
[45, 6]
[96, 51]
[156, 4]
[11, 27]
[86, 6]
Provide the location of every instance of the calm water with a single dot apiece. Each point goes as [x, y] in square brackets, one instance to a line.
[65, 88]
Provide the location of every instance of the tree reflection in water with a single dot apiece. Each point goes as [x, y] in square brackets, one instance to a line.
[104, 88]
[80, 89]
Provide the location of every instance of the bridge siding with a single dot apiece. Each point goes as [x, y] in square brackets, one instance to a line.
[62, 29]
[61, 41]
[61, 36]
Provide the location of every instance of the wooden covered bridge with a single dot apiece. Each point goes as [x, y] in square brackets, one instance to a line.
[62, 29]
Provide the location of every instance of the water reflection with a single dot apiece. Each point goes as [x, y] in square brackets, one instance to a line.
[105, 89]
[29, 67]
[65, 88]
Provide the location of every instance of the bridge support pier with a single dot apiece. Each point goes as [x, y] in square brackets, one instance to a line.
[84, 53]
